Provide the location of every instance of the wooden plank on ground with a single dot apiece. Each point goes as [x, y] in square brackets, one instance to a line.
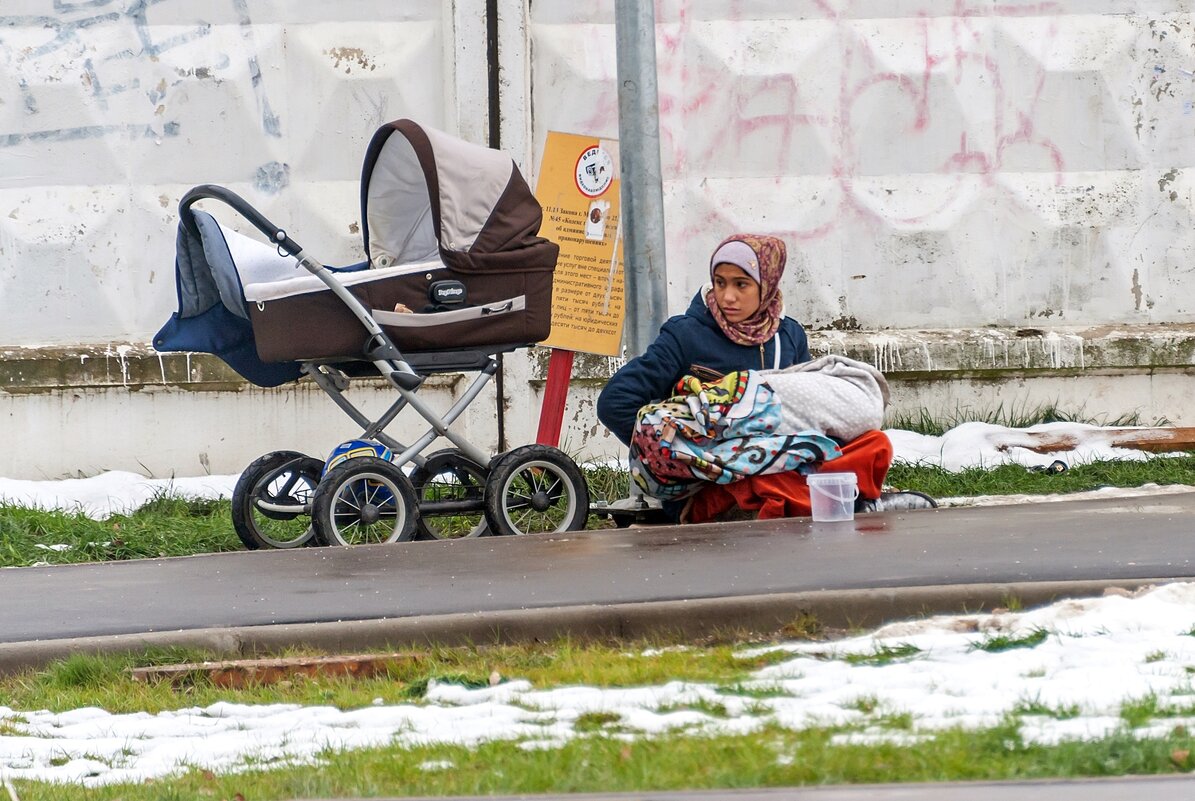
[1154, 440]
[238, 673]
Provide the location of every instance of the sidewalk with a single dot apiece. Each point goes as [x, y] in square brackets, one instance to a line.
[694, 580]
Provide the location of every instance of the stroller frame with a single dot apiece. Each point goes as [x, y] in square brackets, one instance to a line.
[520, 471]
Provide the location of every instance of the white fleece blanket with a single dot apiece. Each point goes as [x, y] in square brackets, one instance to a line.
[834, 395]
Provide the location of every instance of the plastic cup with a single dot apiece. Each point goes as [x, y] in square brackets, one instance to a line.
[832, 496]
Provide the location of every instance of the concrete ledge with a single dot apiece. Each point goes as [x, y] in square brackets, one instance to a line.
[992, 352]
[114, 400]
[26, 371]
[691, 619]
[996, 350]
[900, 353]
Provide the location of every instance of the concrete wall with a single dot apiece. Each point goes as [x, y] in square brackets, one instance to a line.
[109, 111]
[991, 201]
[978, 163]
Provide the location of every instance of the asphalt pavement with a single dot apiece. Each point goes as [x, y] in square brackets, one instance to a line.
[1119, 789]
[690, 579]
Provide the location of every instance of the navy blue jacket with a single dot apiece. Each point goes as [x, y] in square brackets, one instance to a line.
[689, 344]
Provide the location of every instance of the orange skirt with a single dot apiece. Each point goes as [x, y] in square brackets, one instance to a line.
[787, 494]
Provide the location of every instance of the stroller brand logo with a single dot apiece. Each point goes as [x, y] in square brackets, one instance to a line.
[595, 171]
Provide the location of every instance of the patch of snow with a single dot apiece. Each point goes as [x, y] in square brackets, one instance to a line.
[115, 492]
[985, 445]
[966, 445]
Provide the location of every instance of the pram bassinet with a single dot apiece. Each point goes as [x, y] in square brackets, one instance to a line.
[434, 209]
[450, 232]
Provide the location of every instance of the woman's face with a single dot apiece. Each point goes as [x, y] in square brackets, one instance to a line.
[735, 292]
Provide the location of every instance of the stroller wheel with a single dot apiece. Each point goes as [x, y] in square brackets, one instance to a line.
[446, 482]
[272, 499]
[364, 501]
[533, 489]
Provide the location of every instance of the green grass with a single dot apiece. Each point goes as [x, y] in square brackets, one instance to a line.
[1141, 711]
[606, 483]
[1015, 480]
[597, 762]
[1004, 642]
[169, 526]
[600, 759]
[163, 527]
[106, 681]
[596, 721]
[1011, 416]
[883, 655]
[1036, 707]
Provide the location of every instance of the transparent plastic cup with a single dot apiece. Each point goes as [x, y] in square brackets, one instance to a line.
[832, 496]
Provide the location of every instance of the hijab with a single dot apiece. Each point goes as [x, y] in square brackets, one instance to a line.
[762, 258]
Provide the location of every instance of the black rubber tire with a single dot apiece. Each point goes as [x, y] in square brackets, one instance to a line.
[364, 501]
[449, 475]
[535, 489]
[282, 477]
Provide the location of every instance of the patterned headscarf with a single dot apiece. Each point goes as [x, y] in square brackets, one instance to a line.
[770, 255]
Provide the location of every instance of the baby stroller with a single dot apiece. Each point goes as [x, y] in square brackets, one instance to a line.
[451, 241]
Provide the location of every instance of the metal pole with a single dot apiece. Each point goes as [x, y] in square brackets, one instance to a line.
[642, 217]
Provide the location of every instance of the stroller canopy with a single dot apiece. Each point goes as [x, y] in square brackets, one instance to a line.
[434, 209]
[426, 195]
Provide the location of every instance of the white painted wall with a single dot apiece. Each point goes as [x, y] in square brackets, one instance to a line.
[113, 109]
[935, 165]
[931, 163]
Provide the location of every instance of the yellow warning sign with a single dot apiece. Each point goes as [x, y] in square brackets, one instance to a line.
[578, 188]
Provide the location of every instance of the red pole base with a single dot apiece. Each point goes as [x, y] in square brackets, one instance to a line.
[551, 413]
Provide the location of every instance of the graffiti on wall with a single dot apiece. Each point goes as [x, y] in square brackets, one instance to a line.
[997, 162]
[103, 48]
[111, 109]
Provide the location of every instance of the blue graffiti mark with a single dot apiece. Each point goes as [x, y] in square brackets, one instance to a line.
[132, 130]
[137, 13]
[99, 91]
[30, 100]
[156, 95]
[61, 6]
[65, 33]
[269, 121]
[272, 177]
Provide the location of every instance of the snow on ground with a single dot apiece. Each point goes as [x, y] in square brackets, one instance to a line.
[1094, 658]
[1097, 656]
[110, 493]
[967, 445]
[986, 445]
[1144, 490]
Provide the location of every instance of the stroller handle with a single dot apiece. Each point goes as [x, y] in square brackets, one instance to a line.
[275, 234]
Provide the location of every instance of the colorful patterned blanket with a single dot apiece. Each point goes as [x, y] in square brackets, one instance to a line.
[719, 431]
